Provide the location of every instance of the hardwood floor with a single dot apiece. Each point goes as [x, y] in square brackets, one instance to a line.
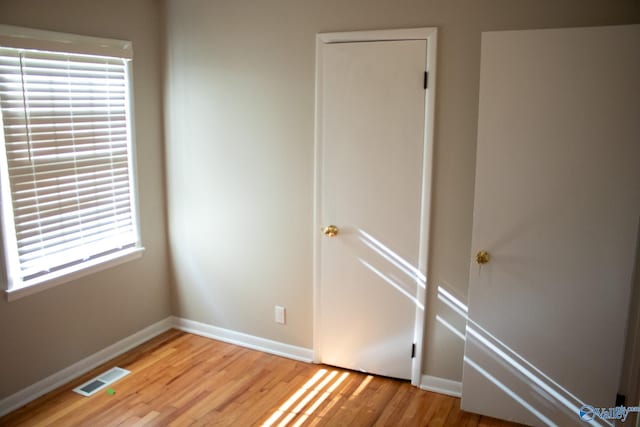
[179, 379]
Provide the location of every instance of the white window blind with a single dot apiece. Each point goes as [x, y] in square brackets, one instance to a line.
[67, 162]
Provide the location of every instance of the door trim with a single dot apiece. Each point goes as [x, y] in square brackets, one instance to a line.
[429, 34]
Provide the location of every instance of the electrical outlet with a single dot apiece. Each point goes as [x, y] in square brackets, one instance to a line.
[280, 313]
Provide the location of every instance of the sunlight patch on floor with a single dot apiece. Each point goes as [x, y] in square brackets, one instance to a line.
[318, 387]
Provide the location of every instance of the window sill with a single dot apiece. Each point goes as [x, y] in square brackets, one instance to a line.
[74, 273]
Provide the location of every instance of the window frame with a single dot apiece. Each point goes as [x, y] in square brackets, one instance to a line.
[28, 38]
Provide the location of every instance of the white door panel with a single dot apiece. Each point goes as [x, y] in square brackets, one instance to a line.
[372, 141]
[557, 206]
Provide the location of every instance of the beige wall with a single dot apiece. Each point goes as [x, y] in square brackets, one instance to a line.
[44, 333]
[240, 98]
[240, 111]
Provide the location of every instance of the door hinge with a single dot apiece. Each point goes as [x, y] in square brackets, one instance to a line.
[413, 350]
[426, 79]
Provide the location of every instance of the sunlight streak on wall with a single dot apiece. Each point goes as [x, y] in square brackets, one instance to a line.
[446, 294]
[392, 257]
[392, 283]
[510, 392]
[533, 374]
[543, 385]
[450, 327]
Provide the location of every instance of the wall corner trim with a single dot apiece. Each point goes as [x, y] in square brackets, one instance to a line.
[245, 340]
[441, 385]
[32, 392]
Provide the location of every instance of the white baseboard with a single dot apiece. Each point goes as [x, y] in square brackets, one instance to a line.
[28, 394]
[441, 385]
[69, 373]
[245, 340]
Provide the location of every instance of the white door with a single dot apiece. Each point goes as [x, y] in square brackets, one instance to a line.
[557, 206]
[370, 160]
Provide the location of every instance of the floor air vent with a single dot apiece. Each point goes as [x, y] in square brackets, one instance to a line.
[101, 381]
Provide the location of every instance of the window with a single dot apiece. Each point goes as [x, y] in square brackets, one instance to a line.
[68, 194]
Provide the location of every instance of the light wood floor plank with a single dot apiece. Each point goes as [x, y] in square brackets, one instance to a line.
[179, 379]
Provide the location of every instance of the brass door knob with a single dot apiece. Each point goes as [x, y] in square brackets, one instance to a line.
[482, 257]
[330, 231]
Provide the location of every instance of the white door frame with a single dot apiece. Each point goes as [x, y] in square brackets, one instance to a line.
[431, 37]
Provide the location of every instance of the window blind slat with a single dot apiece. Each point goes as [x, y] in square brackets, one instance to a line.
[54, 227]
[52, 180]
[45, 150]
[63, 111]
[73, 257]
[77, 232]
[33, 221]
[66, 174]
[38, 158]
[72, 241]
[40, 153]
[70, 197]
[44, 208]
[52, 125]
[57, 202]
[8, 96]
[57, 92]
[47, 225]
[59, 69]
[114, 139]
[65, 124]
[72, 252]
[65, 165]
[61, 187]
[38, 135]
[60, 101]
